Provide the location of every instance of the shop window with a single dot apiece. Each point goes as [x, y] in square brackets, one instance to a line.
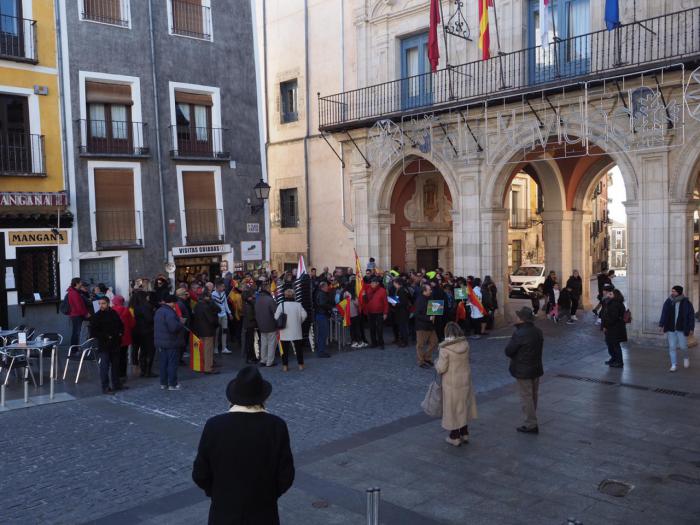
[37, 272]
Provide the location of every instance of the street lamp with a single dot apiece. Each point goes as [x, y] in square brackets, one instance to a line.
[262, 192]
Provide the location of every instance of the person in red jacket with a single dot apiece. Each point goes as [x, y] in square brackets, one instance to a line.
[78, 310]
[377, 307]
[129, 322]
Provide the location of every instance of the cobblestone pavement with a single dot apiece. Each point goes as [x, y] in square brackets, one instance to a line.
[97, 456]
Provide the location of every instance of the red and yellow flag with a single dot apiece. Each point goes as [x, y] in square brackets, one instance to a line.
[474, 300]
[196, 353]
[484, 38]
[344, 308]
[359, 282]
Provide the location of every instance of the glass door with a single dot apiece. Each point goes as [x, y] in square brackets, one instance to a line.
[416, 84]
[11, 41]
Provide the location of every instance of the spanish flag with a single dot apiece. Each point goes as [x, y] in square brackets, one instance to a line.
[344, 308]
[196, 353]
[474, 300]
[484, 39]
[359, 282]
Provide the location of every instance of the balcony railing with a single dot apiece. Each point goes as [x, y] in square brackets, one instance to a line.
[204, 225]
[198, 143]
[22, 154]
[674, 37]
[18, 39]
[114, 12]
[118, 229]
[191, 19]
[522, 219]
[113, 138]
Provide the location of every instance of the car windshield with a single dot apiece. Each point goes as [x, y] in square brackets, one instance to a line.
[528, 271]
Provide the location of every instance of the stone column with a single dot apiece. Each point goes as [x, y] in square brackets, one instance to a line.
[581, 254]
[466, 220]
[558, 242]
[380, 237]
[493, 253]
[359, 186]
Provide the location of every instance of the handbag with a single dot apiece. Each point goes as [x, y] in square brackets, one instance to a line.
[432, 404]
[282, 319]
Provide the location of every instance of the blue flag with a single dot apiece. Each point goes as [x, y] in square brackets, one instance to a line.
[612, 14]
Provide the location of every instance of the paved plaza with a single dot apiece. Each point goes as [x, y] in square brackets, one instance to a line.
[355, 422]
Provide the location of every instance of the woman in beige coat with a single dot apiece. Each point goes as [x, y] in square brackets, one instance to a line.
[458, 401]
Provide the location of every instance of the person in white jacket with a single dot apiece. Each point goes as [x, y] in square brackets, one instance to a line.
[291, 335]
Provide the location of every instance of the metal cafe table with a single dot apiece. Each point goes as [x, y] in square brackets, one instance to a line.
[6, 334]
[37, 345]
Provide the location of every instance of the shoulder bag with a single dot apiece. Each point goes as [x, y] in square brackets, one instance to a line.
[432, 404]
[282, 319]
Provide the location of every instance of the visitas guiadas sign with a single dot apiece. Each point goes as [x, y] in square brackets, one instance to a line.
[37, 237]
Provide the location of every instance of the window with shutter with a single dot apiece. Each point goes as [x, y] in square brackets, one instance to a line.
[201, 214]
[109, 126]
[191, 18]
[105, 11]
[193, 121]
[289, 208]
[37, 272]
[115, 214]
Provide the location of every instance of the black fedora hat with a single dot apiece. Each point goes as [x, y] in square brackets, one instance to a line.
[248, 388]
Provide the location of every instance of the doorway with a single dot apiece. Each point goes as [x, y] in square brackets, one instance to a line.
[427, 259]
[186, 269]
[96, 271]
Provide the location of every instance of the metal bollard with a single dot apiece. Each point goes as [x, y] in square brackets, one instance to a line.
[373, 497]
[2, 395]
[26, 389]
[53, 372]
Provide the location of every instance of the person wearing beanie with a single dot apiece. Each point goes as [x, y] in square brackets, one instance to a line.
[169, 330]
[525, 353]
[244, 460]
[677, 322]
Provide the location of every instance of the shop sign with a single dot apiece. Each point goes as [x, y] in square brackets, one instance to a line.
[251, 250]
[20, 198]
[37, 237]
[252, 227]
[209, 249]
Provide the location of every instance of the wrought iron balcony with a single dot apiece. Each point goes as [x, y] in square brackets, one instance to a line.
[522, 219]
[204, 225]
[198, 143]
[113, 138]
[22, 154]
[114, 12]
[118, 229]
[667, 39]
[18, 39]
[191, 19]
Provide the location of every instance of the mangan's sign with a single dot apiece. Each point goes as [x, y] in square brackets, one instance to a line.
[8, 198]
[37, 237]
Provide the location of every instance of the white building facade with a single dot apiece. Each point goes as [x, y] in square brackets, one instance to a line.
[567, 112]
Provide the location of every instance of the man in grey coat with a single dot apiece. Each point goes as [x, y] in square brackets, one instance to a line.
[265, 307]
[525, 353]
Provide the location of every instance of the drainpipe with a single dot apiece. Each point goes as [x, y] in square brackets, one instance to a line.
[61, 97]
[263, 129]
[159, 156]
[308, 130]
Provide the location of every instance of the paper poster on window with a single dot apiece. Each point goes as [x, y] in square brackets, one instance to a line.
[9, 278]
[436, 307]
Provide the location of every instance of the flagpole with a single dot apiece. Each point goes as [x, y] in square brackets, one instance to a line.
[447, 53]
[556, 39]
[498, 44]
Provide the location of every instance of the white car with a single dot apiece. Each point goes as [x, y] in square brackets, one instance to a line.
[526, 279]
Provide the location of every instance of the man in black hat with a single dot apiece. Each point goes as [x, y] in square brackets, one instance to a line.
[525, 353]
[244, 462]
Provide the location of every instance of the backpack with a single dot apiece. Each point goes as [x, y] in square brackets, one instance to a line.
[627, 316]
[64, 306]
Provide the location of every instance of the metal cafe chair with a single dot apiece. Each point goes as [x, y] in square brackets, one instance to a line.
[14, 359]
[80, 353]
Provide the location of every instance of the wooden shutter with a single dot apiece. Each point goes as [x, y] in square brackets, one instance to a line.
[200, 205]
[187, 18]
[103, 10]
[105, 93]
[197, 99]
[114, 205]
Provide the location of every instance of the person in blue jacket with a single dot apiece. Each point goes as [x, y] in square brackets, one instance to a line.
[677, 322]
[169, 329]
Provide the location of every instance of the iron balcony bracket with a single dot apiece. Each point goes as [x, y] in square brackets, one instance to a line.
[471, 132]
[342, 162]
[367, 164]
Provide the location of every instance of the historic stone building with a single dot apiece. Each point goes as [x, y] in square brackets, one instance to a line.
[566, 110]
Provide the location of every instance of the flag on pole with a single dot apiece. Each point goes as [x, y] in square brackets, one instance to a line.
[612, 14]
[359, 282]
[433, 47]
[544, 25]
[279, 343]
[301, 269]
[474, 300]
[196, 353]
[484, 38]
[343, 308]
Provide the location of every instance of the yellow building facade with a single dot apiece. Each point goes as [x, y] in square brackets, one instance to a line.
[35, 225]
